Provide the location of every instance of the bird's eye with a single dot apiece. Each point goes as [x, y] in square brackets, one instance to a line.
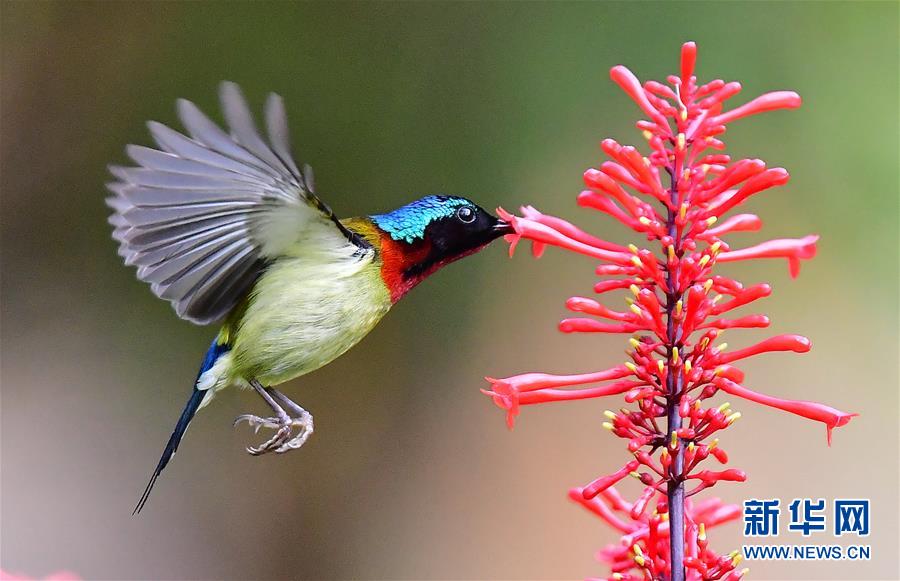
[466, 214]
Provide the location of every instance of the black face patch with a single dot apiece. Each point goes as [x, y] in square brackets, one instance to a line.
[467, 230]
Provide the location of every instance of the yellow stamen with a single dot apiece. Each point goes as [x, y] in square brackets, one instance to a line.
[636, 261]
[634, 342]
[715, 247]
[671, 251]
[610, 414]
[704, 168]
[711, 220]
[680, 140]
[701, 535]
[678, 306]
[722, 347]
[675, 355]
[718, 370]
[691, 447]
[631, 366]
[634, 289]
[633, 248]
[682, 211]
[703, 260]
[635, 309]
[647, 135]
[673, 440]
[647, 162]
[687, 366]
[608, 426]
[635, 474]
[716, 299]
[714, 443]
[684, 114]
[644, 220]
[660, 365]
[733, 417]
[708, 284]
[724, 406]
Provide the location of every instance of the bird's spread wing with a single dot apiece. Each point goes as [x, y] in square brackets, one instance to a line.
[202, 215]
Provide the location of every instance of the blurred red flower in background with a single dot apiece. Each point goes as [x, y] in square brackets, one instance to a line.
[58, 576]
[677, 196]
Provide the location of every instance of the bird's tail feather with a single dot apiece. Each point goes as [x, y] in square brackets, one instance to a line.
[215, 351]
[180, 428]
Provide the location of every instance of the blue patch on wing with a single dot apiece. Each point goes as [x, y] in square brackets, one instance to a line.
[408, 223]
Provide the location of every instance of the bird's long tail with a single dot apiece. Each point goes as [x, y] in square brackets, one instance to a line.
[215, 351]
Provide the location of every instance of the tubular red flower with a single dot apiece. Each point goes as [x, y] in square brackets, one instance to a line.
[548, 395]
[570, 230]
[767, 179]
[532, 381]
[767, 102]
[604, 482]
[739, 223]
[829, 416]
[793, 249]
[600, 508]
[542, 233]
[629, 83]
[581, 325]
[748, 322]
[531, 388]
[795, 343]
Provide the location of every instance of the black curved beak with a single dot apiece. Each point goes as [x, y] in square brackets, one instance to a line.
[502, 227]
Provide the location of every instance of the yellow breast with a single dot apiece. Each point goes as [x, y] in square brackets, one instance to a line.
[305, 311]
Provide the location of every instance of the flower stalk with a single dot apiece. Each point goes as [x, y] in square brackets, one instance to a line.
[679, 196]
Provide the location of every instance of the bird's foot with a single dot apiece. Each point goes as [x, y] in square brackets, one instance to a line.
[284, 439]
[305, 425]
[281, 425]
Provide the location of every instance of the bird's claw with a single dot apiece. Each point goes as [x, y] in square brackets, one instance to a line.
[257, 422]
[305, 423]
[281, 441]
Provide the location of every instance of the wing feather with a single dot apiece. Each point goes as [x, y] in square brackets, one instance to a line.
[243, 129]
[202, 215]
[279, 136]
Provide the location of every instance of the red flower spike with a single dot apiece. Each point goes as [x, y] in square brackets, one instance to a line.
[675, 193]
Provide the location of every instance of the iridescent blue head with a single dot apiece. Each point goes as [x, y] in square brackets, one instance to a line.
[408, 223]
[438, 230]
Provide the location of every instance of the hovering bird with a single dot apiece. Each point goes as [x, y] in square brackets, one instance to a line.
[226, 227]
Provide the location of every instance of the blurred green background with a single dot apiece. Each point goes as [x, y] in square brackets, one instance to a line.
[411, 472]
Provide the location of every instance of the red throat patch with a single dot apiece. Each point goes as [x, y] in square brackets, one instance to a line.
[397, 258]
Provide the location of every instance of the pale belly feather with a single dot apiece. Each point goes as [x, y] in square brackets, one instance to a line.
[304, 313]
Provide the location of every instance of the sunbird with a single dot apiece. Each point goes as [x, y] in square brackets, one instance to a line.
[227, 228]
